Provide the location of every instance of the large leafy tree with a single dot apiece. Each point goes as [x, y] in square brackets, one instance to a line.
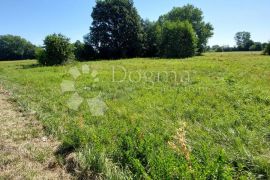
[116, 30]
[15, 48]
[243, 40]
[195, 16]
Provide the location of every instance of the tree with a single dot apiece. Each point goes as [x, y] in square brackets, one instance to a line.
[243, 41]
[83, 51]
[217, 48]
[264, 45]
[195, 16]
[116, 30]
[226, 48]
[207, 48]
[257, 46]
[178, 40]
[58, 50]
[78, 50]
[267, 49]
[15, 48]
[150, 39]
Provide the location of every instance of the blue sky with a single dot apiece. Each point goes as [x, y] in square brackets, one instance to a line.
[34, 19]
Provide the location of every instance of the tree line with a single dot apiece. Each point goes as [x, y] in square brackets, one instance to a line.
[243, 43]
[16, 48]
[118, 31]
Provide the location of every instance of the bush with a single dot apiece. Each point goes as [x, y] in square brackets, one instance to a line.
[194, 16]
[83, 51]
[40, 55]
[257, 46]
[15, 48]
[178, 40]
[267, 49]
[57, 50]
[264, 45]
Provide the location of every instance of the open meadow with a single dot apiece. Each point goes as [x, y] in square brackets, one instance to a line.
[206, 117]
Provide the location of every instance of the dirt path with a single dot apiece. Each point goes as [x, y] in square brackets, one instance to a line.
[25, 152]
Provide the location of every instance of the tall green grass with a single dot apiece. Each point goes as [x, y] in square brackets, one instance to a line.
[222, 98]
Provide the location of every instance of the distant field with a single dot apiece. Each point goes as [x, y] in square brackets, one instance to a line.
[218, 103]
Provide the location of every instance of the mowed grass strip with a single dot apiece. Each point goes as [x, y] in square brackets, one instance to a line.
[202, 117]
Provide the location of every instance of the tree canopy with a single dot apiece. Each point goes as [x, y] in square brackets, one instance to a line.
[150, 39]
[15, 48]
[267, 49]
[116, 30]
[58, 50]
[83, 51]
[243, 40]
[257, 46]
[195, 16]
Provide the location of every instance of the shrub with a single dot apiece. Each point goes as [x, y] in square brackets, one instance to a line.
[219, 49]
[257, 46]
[267, 49]
[15, 48]
[264, 45]
[57, 50]
[194, 16]
[40, 55]
[178, 40]
[83, 51]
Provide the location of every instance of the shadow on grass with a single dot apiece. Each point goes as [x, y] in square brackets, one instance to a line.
[30, 66]
[64, 150]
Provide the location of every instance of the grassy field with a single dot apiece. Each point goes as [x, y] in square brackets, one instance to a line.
[203, 117]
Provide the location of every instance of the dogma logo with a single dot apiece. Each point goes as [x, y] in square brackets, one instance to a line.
[97, 106]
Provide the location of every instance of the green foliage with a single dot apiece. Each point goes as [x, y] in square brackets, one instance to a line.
[217, 48]
[195, 16]
[57, 50]
[83, 51]
[116, 30]
[243, 41]
[15, 48]
[228, 48]
[264, 45]
[40, 55]
[150, 39]
[267, 49]
[225, 105]
[178, 40]
[257, 46]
